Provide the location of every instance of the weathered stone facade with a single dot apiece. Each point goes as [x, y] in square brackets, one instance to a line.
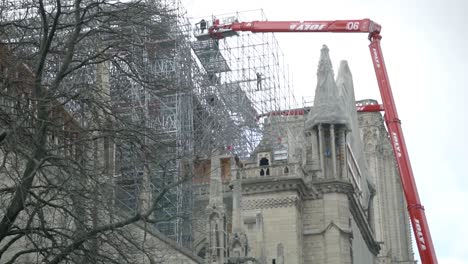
[391, 221]
[321, 187]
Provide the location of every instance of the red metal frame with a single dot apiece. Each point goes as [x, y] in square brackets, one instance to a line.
[415, 209]
[370, 108]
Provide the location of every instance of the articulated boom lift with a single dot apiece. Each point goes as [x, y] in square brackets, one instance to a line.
[415, 209]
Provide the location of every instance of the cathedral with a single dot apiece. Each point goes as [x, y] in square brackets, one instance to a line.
[322, 187]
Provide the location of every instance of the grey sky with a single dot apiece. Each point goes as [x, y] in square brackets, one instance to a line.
[425, 49]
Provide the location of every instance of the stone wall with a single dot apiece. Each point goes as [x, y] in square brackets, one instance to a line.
[326, 229]
[282, 224]
[389, 215]
[360, 251]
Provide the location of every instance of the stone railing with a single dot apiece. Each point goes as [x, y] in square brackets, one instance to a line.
[202, 190]
[276, 170]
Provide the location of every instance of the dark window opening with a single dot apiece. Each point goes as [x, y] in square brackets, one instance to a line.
[264, 162]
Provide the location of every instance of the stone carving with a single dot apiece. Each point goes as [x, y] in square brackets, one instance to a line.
[270, 203]
[335, 187]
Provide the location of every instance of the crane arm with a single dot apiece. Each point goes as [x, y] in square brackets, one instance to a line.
[357, 26]
[415, 209]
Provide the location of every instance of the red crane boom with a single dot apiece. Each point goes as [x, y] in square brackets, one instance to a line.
[415, 209]
[362, 25]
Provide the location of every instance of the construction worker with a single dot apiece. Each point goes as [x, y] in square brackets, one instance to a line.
[259, 81]
[202, 24]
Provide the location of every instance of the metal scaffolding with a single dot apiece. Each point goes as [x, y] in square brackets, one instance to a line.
[205, 95]
[241, 81]
[167, 110]
[149, 87]
[215, 95]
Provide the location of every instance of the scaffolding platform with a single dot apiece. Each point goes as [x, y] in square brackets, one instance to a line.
[217, 34]
[210, 56]
[202, 36]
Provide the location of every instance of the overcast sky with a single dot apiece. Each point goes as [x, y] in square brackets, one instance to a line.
[425, 46]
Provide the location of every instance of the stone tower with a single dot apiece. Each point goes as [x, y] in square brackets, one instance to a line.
[321, 187]
[329, 123]
[336, 221]
[390, 217]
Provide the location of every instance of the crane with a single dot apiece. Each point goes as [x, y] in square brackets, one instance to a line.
[393, 123]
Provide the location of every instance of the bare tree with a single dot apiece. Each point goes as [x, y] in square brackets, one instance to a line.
[79, 159]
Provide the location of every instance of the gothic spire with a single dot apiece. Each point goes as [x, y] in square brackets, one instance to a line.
[328, 106]
[344, 82]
